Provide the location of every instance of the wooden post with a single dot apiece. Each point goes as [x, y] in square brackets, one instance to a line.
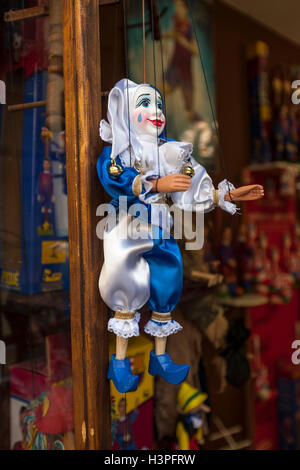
[88, 314]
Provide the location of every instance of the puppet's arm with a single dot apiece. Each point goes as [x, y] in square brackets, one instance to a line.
[201, 195]
[128, 183]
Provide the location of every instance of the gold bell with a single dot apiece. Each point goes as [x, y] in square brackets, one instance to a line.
[138, 166]
[188, 170]
[114, 170]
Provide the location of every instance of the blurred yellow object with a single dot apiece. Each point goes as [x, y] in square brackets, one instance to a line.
[189, 398]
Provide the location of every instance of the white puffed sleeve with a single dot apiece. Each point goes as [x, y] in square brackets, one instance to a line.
[200, 196]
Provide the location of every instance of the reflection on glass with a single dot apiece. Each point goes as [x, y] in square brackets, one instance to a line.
[36, 382]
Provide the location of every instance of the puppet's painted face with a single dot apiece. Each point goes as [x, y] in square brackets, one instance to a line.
[147, 112]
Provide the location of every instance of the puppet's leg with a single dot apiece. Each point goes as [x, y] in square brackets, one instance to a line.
[124, 285]
[165, 265]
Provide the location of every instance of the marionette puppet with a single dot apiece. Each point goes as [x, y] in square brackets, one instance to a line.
[290, 258]
[45, 183]
[262, 266]
[281, 283]
[263, 390]
[45, 193]
[191, 419]
[229, 263]
[146, 167]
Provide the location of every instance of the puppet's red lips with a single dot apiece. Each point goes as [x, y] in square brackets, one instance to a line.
[156, 122]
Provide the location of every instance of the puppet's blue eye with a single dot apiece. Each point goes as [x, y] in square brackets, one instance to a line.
[159, 105]
[145, 103]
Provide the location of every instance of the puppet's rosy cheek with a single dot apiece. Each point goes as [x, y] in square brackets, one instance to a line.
[139, 116]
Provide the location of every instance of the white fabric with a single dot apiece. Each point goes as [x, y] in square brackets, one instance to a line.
[116, 131]
[162, 330]
[197, 422]
[125, 328]
[225, 205]
[124, 281]
[157, 157]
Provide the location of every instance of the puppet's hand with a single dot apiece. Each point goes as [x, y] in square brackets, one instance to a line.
[245, 193]
[171, 183]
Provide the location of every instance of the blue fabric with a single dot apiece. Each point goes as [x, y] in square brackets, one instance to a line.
[121, 186]
[165, 262]
[166, 274]
[115, 187]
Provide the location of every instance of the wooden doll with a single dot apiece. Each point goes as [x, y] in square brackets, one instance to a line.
[145, 167]
[190, 423]
[262, 266]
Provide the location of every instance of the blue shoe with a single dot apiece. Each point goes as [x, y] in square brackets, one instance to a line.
[164, 366]
[119, 372]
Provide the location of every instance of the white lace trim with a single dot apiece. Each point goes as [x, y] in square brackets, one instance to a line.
[225, 205]
[125, 328]
[161, 330]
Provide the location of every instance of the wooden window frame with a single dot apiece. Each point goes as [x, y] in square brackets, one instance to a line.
[82, 74]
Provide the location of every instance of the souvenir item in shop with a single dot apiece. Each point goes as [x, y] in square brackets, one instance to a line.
[191, 418]
[59, 146]
[277, 88]
[229, 264]
[201, 266]
[124, 432]
[292, 148]
[288, 383]
[209, 317]
[296, 258]
[45, 185]
[258, 80]
[287, 182]
[202, 317]
[262, 266]
[132, 419]
[45, 194]
[209, 253]
[281, 284]
[285, 122]
[291, 258]
[250, 249]
[277, 100]
[263, 389]
[281, 133]
[145, 166]
[244, 258]
[47, 422]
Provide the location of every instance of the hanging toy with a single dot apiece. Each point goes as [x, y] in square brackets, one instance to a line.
[146, 167]
[263, 390]
[191, 419]
[45, 185]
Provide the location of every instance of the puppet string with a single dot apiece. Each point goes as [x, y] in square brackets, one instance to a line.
[224, 167]
[144, 41]
[126, 67]
[154, 71]
[162, 65]
[115, 42]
